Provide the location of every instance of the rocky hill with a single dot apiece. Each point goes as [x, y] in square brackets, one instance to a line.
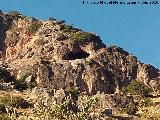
[50, 54]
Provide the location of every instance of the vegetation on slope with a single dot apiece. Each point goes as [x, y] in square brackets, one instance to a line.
[137, 88]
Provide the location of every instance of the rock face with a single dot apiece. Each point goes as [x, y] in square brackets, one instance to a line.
[59, 55]
[123, 102]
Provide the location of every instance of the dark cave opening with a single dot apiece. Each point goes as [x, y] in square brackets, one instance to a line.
[78, 55]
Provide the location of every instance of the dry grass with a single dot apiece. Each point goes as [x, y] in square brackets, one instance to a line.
[151, 112]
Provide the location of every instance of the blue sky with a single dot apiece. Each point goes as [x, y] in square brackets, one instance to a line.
[136, 28]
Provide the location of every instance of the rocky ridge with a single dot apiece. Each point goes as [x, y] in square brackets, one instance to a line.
[54, 55]
[52, 52]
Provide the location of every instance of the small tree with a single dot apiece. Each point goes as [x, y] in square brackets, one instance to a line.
[32, 29]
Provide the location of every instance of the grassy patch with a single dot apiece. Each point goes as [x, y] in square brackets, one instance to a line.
[14, 101]
[137, 88]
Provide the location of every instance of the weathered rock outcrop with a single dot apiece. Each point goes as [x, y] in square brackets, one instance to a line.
[123, 103]
[150, 76]
[59, 55]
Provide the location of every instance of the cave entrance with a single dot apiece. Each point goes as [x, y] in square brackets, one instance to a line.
[77, 55]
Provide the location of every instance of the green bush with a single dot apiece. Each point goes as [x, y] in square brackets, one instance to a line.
[83, 36]
[32, 29]
[2, 108]
[21, 84]
[137, 88]
[24, 75]
[14, 101]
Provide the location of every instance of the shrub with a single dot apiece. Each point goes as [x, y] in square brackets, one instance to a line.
[61, 22]
[137, 88]
[31, 84]
[83, 36]
[86, 108]
[24, 74]
[2, 108]
[6, 76]
[14, 13]
[72, 90]
[32, 29]
[22, 84]
[14, 101]
[68, 28]
[51, 19]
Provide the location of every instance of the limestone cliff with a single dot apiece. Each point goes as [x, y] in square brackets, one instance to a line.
[52, 53]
